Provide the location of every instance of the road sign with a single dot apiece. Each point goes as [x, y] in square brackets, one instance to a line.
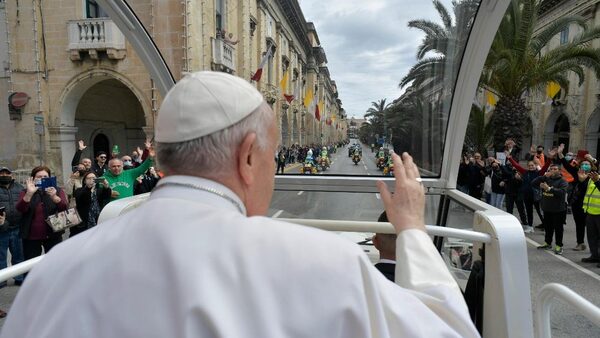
[39, 129]
[38, 118]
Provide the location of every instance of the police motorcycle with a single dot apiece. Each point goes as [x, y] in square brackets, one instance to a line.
[388, 169]
[382, 158]
[308, 167]
[323, 160]
[356, 157]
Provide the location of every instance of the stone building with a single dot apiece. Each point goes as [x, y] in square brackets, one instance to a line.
[82, 80]
[573, 119]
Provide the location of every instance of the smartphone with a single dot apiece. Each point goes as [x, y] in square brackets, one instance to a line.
[2, 210]
[98, 180]
[48, 182]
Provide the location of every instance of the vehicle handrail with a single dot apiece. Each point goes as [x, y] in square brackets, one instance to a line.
[19, 269]
[349, 226]
[553, 291]
[386, 227]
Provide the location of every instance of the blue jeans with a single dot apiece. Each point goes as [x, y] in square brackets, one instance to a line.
[497, 200]
[10, 240]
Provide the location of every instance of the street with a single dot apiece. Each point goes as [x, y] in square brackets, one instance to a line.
[544, 266]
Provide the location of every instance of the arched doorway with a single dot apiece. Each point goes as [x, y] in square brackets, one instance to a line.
[100, 101]
[108, 115]
[557, 129]
[562, 130]
[592, 133]
[100, 143]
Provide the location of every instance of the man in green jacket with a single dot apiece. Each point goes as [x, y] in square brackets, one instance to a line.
[121, 181]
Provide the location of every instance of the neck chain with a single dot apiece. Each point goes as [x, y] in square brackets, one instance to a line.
[210, 190]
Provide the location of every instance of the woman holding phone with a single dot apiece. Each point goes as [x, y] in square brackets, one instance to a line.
[90, 199]
[40, 199]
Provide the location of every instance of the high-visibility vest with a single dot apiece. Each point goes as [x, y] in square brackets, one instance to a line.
[591, 201]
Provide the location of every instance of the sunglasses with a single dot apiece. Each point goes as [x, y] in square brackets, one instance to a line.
[102, 156]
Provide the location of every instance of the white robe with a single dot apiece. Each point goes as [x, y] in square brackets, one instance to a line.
[187, 263]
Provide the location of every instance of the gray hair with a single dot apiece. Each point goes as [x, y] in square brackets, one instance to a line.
[213, 155]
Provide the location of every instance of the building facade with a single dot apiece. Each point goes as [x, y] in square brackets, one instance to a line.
[573, 118]
[72, 75]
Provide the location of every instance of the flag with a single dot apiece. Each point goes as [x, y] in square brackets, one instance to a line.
[308, 99]
[321, 110]
[283, 85]
[263, 62]
[491, 100]
[318, 107]
[552, 89]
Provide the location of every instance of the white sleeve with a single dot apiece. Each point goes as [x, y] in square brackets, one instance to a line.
[420, 268]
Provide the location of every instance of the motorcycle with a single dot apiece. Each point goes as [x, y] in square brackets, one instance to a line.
[308, 169]
[323, 163]
[356, 159]
[388, 170]
[380, 163]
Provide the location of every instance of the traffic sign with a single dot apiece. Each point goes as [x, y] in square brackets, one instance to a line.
[39, 129]
[38, 118]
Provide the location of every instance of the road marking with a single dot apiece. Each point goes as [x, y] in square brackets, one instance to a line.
[366, 167]
[565, 260]
[300, 192]
[277, 214]
[378, 196]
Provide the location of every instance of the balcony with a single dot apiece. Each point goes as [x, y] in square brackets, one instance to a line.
[93, 36]
[223, 56]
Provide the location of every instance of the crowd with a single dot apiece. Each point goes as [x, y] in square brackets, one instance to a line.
[299, 154]
[556, 183]
[24, 227]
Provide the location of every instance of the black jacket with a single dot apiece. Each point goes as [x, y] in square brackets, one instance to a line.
[555, 199]
[83, 198]
[8, 199]
[99, 171]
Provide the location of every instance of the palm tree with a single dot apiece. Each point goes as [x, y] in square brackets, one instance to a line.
[517, 64]
[479, 132]
[377, 117]
[445, 42]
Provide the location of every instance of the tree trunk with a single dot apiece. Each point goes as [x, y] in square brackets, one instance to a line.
[508, 121]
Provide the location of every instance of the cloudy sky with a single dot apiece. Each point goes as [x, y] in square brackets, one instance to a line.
[368, 44]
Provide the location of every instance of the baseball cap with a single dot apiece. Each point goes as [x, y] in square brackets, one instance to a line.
[203, 103]
[6, 169]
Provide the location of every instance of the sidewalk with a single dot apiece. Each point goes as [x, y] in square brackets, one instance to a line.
[569, 242]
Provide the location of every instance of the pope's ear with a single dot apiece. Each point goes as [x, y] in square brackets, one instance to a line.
[248, 158]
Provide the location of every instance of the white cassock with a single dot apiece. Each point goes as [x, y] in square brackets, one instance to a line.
[187, 263]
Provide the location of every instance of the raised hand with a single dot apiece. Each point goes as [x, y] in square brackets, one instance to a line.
[30, 186]
[560, 148]
[405, 208]
[81, 145]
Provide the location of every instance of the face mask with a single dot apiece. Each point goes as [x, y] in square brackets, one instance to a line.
[6, 180]
[127, 164]
[586, 167]
[568, 157]
[540, 151]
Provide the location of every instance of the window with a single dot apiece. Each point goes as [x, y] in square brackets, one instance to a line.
[93, 10]
[220, 14]
[564, 36]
